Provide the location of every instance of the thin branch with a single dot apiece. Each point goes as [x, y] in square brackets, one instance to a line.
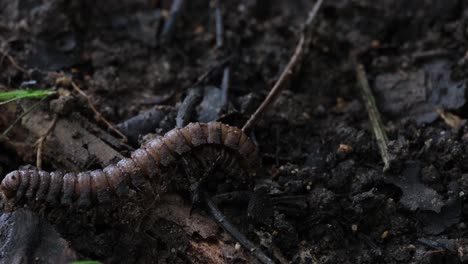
[202, 78]
[40, 142]
[312, 14]
[219, 27]
[13, 62]
[225, 89]
[142, 124]
[98, 115]
[169, 26]
[450, 119]
[277, 88]
[231, 229]
[374, 115]
[286, 74]
[187, 108]
[429, 54]
[27, 111]
[279, 255]
[199, 195]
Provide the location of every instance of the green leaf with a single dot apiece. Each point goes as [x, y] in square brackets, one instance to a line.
[6, 97]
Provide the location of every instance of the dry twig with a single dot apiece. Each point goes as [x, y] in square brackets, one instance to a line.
[374, 115]
[99, 116]
[200, 196]
[219, 27]
[202, 78]
[231, 229]
[41, 140]
[450, 119]
[27, 111]
[169, 27]
[288, 71]
[186, 109]
[13, 62]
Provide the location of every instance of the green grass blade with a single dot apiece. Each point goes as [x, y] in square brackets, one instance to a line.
[6, 97]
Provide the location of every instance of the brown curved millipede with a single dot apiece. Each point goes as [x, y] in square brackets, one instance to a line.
[202, 143]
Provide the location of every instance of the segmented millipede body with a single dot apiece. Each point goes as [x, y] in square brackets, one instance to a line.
[199, 143]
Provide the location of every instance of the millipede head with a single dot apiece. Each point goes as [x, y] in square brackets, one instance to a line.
[10, 184]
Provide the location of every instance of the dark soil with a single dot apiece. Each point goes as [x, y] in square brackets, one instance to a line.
[322, 196]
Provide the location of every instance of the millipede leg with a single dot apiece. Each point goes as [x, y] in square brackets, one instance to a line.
[194, 187]
[198, 187]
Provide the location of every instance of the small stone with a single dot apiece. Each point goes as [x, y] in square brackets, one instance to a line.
[237, 246]
[345, 149]
[385, 234]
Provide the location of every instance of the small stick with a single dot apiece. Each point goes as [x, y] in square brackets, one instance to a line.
[279, 255]
[287, 72]
[168, 28]
[219, 27]
[312, 14]
[374, 115]
[450, 119]
[13, 62]
[277, 88]
[41, 140]
[429, 54]
[231, 229]
[27, 111]
[141, 124]
[209, 72]
[187, 108]
[194, 95]
[198, 195]
[225, 88]
[98, 115]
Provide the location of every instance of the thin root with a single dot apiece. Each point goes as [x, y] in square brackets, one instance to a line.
[40, 142]
[287, 72]
[98, 115]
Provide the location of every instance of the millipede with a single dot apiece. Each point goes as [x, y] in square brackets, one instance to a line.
[198, 144]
